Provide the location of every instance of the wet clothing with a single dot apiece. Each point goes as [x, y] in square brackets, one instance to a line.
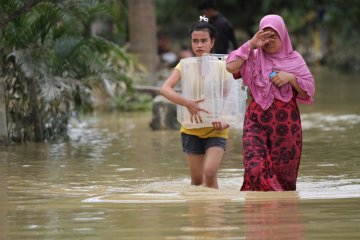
[196, 145]
[272, 144]
[272, 134]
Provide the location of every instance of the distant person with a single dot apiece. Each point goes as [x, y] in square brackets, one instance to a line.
[278, 78]
[185, 52]
[204, 147]
[167, 56]
[225, 40]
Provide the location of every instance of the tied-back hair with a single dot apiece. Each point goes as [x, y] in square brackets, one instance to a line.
[201, 26]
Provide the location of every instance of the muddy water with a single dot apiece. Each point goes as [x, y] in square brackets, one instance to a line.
[117, 179]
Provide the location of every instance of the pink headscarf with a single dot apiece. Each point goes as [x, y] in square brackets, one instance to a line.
[256, 69]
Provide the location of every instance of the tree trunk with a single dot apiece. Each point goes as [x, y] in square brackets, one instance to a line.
[35, 110]
[142, 31]
[4, 138]
[3, 123]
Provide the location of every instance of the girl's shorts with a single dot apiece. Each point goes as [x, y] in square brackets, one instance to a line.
[195, 145]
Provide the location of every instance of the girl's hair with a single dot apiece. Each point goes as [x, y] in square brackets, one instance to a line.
[203, 25]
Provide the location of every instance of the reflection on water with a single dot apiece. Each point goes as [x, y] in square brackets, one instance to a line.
[273, 219]
[206, 221]
[116, 179]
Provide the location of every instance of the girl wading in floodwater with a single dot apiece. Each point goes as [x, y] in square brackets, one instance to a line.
[204, 147]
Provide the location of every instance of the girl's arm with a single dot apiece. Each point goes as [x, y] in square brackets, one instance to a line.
[167, 90]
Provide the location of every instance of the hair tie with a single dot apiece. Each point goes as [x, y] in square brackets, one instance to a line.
[203, 19]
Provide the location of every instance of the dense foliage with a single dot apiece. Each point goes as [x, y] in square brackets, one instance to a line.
[51, 61]
[334, 22]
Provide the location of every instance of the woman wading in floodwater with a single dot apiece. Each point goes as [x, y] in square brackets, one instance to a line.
[278, 78]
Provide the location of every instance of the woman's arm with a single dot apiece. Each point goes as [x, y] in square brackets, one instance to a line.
[283, 78]
[295, 85]
[237, 57]
[234, 66]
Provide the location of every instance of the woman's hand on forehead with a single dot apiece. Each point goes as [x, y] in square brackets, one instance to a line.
[267, 35]
[260, 38]
[271, 36]
[271, 33]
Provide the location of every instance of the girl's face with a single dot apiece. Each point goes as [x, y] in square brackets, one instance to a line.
[275, 44]
[201, 42]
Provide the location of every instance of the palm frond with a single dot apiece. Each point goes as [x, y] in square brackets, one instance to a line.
[50, 46]
[53, 88]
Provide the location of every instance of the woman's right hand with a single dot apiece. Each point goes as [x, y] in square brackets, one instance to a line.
[260, 39]
[194, 110]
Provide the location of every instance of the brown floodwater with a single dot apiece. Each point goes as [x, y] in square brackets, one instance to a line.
[118, 179]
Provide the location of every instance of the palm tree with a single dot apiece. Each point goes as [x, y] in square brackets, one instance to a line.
[142, 27]
[50, 62]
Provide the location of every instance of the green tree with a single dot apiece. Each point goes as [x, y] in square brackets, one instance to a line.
[50, 62]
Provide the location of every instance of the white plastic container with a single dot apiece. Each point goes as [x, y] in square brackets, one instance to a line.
[206, 78]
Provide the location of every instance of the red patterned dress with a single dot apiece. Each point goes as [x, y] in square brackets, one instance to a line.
[272, 143]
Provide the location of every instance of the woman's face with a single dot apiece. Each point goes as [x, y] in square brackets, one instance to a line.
[275, 44]
[201, 42]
